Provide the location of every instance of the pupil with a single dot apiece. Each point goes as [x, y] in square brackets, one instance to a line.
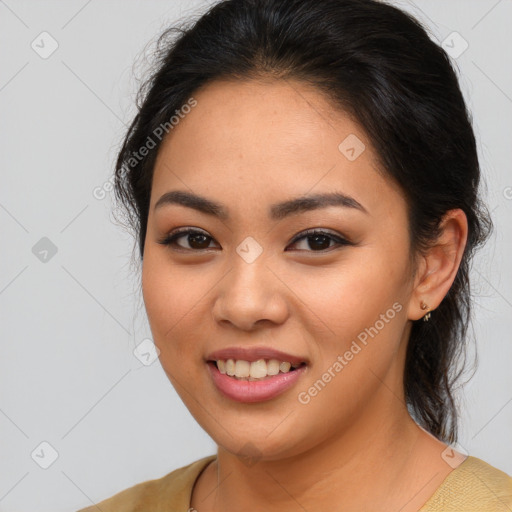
[319, 237]
[196, 237]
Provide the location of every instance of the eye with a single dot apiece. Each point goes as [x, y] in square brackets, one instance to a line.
[197, 240]
[317, 240]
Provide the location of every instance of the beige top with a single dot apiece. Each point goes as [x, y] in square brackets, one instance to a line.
[474, 486]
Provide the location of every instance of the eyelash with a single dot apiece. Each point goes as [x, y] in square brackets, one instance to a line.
[170, 239]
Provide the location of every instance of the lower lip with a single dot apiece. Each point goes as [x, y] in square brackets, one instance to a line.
[255, 390]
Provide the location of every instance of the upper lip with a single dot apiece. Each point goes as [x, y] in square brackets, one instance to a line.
[253, 354]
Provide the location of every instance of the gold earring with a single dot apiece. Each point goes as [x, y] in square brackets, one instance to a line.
[424, 306]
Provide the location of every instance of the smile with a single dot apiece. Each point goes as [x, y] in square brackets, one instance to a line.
[255, 381]
[255, 370]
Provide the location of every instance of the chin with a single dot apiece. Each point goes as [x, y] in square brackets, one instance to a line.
[253, 445]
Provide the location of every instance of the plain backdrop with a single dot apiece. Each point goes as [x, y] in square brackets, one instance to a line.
[81, 416]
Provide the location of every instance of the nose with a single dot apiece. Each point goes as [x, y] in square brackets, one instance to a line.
[250, 295]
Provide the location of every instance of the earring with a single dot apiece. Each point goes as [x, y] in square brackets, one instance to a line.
[424, 306]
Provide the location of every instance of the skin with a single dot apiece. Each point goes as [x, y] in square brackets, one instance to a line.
[248, 145]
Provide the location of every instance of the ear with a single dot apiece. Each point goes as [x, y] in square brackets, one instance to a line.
[438, 267]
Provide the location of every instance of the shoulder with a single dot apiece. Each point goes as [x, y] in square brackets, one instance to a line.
[474, 485]
[170, 492]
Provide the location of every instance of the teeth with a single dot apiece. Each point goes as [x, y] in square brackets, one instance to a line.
[273, 367]
[255, 370]
[285, 367]
[258, 369]
[230, 367]
[242, 368]
[221, 365]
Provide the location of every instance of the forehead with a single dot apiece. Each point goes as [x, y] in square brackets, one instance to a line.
[268, 140]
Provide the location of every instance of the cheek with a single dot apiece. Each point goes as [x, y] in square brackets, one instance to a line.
[345, 298]
[356, 315]
[356, 310]
[159, 299]
[170, 296]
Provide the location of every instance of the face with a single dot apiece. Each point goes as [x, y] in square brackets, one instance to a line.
[250, 276]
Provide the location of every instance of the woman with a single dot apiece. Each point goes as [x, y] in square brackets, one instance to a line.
[303, 180]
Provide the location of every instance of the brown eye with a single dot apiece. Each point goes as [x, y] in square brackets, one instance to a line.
[196, 240]
[319, 241]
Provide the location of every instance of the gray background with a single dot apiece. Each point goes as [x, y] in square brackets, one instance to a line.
[70, 321]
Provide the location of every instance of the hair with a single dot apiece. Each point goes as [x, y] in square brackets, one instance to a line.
[377, 64]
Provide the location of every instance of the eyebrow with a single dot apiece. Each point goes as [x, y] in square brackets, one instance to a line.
[277, 211]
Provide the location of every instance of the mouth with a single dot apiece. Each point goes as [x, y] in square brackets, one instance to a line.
[254, 381]
[252, 371]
